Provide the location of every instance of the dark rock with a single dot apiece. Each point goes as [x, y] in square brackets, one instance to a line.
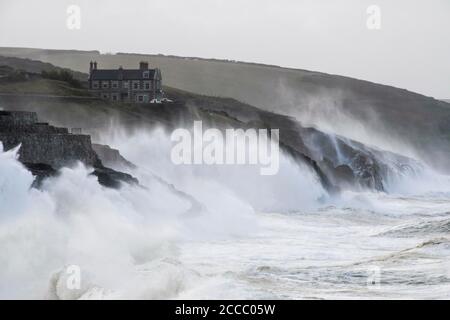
[113, 179]
[41, 171]
[345, 173]
[111, 157]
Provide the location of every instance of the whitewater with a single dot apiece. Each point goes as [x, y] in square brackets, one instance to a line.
[254, 237]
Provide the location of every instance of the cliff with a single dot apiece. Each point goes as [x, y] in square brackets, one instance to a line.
[339, 162]
[336, 103]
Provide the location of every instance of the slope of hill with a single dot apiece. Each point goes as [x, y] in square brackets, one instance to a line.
[384, 116]
[337, 161]
[33, 66]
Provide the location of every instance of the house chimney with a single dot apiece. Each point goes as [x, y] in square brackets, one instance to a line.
[143, 65]
[91, 66]
[95, 65]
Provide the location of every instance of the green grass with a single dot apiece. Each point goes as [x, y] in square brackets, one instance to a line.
[42, 87]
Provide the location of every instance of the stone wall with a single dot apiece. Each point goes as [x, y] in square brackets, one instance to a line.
[18, 117]
[42, 143]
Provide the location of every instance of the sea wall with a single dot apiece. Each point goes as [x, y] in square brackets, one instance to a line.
[42, 143]
[44, 148]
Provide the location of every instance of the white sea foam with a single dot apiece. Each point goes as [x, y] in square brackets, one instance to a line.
[145, 243]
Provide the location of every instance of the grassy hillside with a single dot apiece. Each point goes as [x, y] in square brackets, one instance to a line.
[60, 103]
[33, 66]
[41, 87]
[365, 111]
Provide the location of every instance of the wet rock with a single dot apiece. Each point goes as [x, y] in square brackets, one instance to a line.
[111, 157]
[113, 179]
[41, 171]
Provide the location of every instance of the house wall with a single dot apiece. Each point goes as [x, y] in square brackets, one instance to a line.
[139, 91]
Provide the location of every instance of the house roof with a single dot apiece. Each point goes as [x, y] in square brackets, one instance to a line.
[124, 74]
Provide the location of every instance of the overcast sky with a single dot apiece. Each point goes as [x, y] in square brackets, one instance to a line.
[411, 50]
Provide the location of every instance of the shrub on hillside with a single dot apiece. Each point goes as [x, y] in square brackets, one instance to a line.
[8, 74]
[62, 75]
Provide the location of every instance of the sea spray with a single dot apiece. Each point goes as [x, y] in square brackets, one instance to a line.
[294, 187]
[139, 241]
[117, 237]
[15, 182]
[74, 221]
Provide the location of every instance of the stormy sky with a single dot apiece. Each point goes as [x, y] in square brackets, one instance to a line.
[410, 50]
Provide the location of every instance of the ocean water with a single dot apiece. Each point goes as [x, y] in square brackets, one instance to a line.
[335, 252]
[273, 237]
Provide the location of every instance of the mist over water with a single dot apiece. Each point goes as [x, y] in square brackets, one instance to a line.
[252, 236]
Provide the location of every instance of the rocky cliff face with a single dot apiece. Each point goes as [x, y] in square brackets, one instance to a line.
[45, 148]
[339, 163]
[111, 157]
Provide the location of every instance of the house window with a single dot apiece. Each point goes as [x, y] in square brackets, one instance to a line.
[141, 98]
[147, 85]
[125, 84]
[115, 84]
[136, 85]
[105, 84]
[105, 96]
[146, 74]
[114, 97]
[95, 85]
